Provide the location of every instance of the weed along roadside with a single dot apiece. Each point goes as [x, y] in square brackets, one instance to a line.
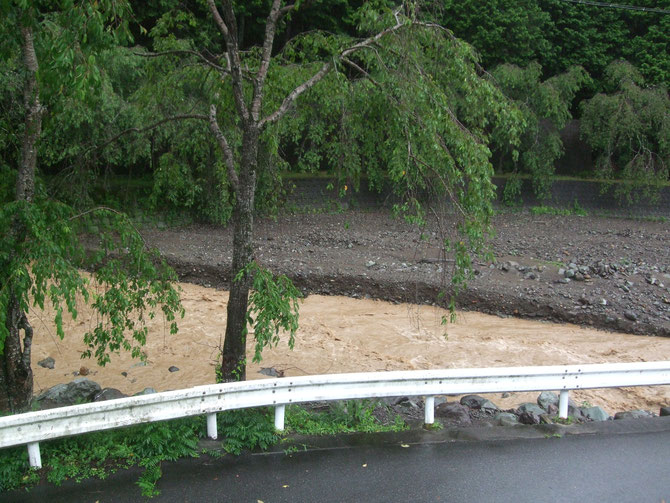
[147, 446]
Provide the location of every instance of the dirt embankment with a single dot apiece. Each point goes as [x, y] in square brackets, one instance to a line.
[606, 273]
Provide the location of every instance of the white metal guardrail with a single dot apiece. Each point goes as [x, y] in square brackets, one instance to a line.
[33, 427]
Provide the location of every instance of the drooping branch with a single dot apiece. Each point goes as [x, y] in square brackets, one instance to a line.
[145, 129]
[228, 29]
[225, 147]
[317, 77]
[293, 95]
[180, 52]
[357, 67]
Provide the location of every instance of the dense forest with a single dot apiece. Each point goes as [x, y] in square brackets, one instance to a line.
[204, 107]
[555, 60]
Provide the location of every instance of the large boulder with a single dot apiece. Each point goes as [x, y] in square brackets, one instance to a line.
[532, 408]
[478, 402]
[108, 394]
[506, 419]
[453, 413]
[80, 390]
[547, 399]
[633, 414]
[595, 413]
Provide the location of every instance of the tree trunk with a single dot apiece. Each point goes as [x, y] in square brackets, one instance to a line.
[16, 376]
[233, 358]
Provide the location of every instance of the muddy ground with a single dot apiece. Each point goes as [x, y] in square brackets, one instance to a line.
[608, 273]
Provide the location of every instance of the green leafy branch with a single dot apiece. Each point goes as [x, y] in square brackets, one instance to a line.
[273, 307]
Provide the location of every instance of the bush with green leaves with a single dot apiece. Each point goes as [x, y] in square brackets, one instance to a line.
[96, 455]
[628, 128]
[546, 110]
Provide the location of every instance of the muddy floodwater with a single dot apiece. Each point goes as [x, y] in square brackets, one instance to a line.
[340, 334]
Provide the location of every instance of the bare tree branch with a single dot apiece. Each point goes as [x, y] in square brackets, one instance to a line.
[293, 95]
[225, 147]
[266, 54]
[228, 29]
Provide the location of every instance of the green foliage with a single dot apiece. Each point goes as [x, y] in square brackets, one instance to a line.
[420, 123]
[273, 307]
[247, 429]
[546, 110]
[341, 417]
[42, 264]
[503, 31]
[629, 130]
[512, 191]
[96, 455]
[14, 469]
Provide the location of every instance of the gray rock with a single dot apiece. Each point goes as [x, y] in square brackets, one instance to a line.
[547, 398]
[173, 369]
[146, 391]
[632, 414]
[595, 413]
[532, 408]
[506, 419]
[407, 402]
[270, 371]
[529, 418]
[631, 315]
[78, 391]
[108, 394]
[575, 412]
[453, 412]
[478, 402]
[47, 363]
[665, 411]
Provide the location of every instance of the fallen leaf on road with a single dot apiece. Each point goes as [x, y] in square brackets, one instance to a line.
[365, 465]
[404, 445]
[285, 486]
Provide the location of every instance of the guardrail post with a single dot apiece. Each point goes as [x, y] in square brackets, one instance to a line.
[34, 457]
[563, 404]
[211, 426]
[429, 410]
[279, 417]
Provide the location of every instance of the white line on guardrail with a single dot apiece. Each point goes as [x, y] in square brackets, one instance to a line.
[33, 427]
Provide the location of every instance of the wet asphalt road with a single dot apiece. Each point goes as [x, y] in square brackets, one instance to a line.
[604, 466]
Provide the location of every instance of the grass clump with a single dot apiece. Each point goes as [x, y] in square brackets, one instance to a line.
[341, 417]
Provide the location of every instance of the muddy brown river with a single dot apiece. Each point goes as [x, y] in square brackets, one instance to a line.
[340, 334]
